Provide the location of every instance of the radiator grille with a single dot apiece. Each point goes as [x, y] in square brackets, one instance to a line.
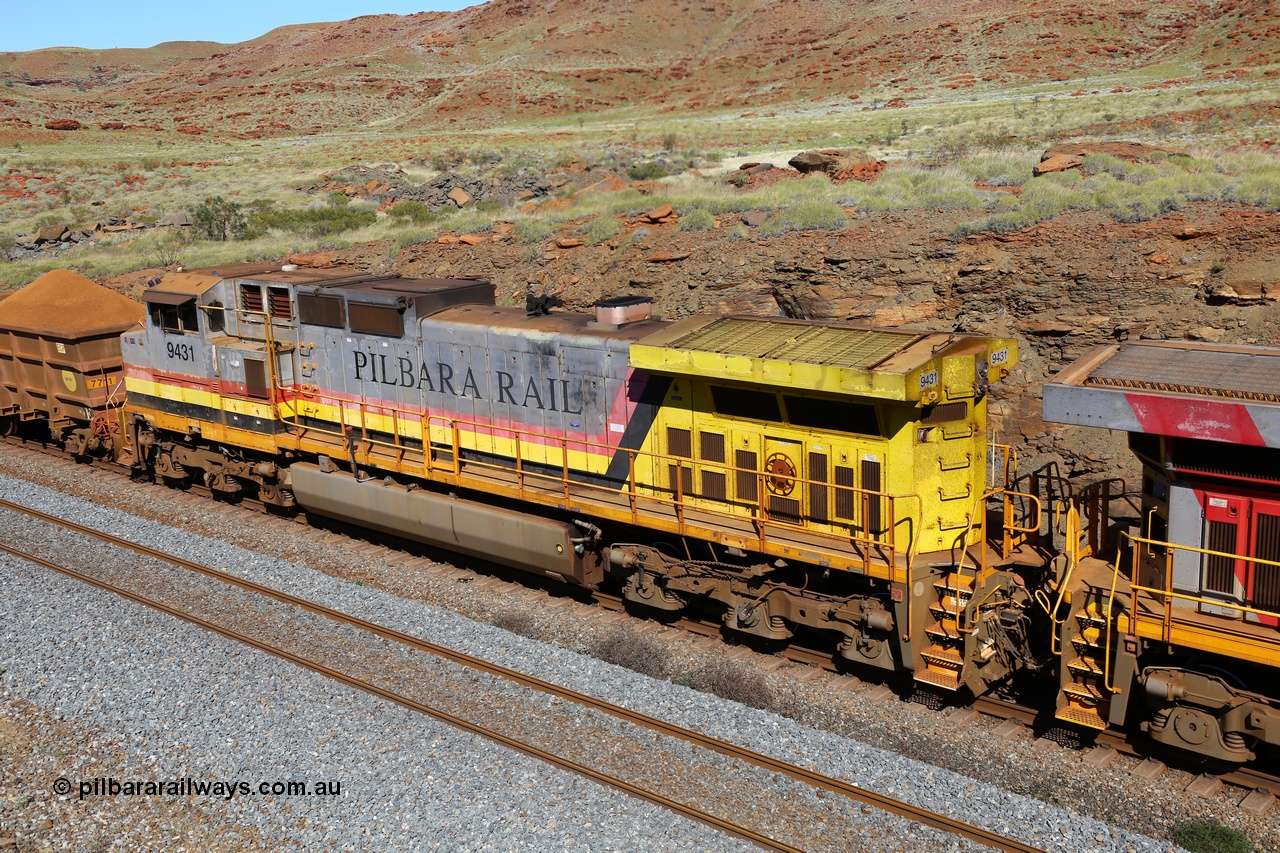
[255, 378]
[844, 497]
[681, 479]
[251, 297]
[1219, 572]
[680, 442]
[1266, 579]
[871, 483]
[279, 302]
[712, 447]
[713, 483]
[818, 492]
[747, 481]
[944, 412]
[784, 509]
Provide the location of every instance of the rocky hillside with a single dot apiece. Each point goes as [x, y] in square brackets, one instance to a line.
[509, 61]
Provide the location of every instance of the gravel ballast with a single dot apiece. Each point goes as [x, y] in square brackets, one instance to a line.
[62, 692]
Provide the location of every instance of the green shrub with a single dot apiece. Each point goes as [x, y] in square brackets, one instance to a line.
[405, 239]
[1143, 173]
[1097, 164]
[218, 219]
[534, 230]
[1138, 203]
[1209, 836]
[602, 228]
[874, 203]
[418, 213]
[322, 222]
[697, 220]
[810, 215]
[998, 170]
[1262, 191]
[648, 171]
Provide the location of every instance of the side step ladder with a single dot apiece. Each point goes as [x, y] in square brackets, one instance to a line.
[944, 658]
[1085, 636]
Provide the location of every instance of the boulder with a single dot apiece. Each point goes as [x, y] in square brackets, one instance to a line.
[829, 160]
[313, 259]
[812, 161]
[63, 124]
[472, 239]
[659, 214]
[1131, 151]
[569, 243]
[666, 257]
[755, 218]
[1058, 163]
[1191, 232]
[460, 197]
[178, 220]
[51, 234]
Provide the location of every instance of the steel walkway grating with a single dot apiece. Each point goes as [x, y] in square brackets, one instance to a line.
[1198, 372]
[828, 346]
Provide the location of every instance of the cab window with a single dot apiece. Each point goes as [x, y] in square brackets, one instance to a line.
[176, 319]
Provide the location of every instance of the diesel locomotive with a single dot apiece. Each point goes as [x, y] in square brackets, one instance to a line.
[789, 477]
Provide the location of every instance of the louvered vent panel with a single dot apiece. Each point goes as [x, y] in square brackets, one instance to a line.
[1266, 579]
[1219, 572]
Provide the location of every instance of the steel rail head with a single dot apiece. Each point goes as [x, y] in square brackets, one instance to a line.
[810, 777]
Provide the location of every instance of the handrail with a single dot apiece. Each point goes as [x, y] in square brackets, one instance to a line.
[1169, 594]
[885, 540]
[1106, 649]
[978, 517]
[1072, 555]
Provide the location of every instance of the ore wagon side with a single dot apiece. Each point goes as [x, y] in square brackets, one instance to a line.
[60, 361]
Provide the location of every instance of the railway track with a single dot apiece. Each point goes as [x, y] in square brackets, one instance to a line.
[1250, 779]
[652, 724]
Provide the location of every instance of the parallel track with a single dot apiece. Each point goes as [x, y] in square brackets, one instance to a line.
[1247, 778]
[809, 777]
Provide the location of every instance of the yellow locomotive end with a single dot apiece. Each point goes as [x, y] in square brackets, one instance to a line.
[835, 434]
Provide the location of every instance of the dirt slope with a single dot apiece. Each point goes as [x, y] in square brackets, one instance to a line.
[508, 61]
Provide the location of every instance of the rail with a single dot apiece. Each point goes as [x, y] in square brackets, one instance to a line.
[657, 725]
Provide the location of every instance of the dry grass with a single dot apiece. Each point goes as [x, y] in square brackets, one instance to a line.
[625, 646]
[939, 147]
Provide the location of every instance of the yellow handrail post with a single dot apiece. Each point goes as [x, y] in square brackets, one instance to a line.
[457, 449]
[631, 485]
[564, 467]
[519, 464]
[1109, 615]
